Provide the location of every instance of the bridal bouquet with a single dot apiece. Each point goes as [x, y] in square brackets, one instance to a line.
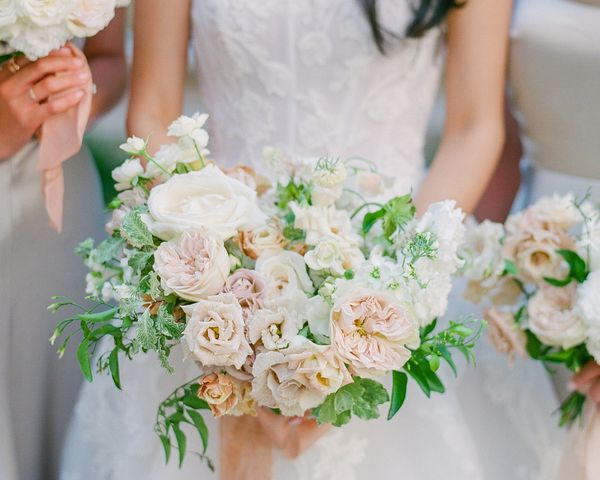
[541, 273]
[295, 293]
[35, 28]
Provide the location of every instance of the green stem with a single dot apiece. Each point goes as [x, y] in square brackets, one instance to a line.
[151, 160]
[199, 153]
[369, 204]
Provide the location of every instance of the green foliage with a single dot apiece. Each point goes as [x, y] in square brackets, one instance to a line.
[109, 249]
[84, 249]
[361, 398]
[180, 408]
[394, 215]
[399, 385]
[578, 270]
[292, 192]
[135, 230]
[571, 409]
[510, 268]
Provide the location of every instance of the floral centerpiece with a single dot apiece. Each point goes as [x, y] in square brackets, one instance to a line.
[540, 275]
[295, 293]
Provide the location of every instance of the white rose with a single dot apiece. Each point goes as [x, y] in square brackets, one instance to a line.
[8, 12]
[214, 333]
[284, 271]
[323, 222]
[90, 16]
[552, 317]
[263, 239]
[298, 378]
[194, 266]
[325, 256]
[46, 13]
[274, 328]
[126, 173]
[37, 42]
[204, 200]
[557, 210]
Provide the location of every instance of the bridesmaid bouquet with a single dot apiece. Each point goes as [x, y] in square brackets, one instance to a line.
[541, 273]
[35, 28]
[295, 293]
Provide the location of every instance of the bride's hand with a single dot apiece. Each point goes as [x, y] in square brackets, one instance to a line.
[32, 92]
[588, 381]
[293, 435]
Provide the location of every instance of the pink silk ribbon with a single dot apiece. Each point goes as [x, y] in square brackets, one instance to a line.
[581, 459]
[61, 138]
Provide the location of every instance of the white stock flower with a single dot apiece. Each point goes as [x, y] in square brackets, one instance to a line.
[273, 328]
[90, 16]
[298, 378]
[126, 173]
[214, 333]
[37, 42]
[203, 200]
[134, 145]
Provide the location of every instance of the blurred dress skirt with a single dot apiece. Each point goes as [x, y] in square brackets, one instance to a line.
[37, 390]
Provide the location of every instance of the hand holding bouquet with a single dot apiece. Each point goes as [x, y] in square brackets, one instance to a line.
[295, 293]
[541, 273]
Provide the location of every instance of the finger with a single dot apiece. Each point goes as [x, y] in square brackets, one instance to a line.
[589, 372]
[303, 437]
[34, 72]
[57, 104]
[54, 84]
[594, 393]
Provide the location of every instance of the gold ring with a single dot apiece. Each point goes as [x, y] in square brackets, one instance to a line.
[32, 95]
[13, 66]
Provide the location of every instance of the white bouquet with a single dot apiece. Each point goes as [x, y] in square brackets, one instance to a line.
[293, 293]
[37, 27]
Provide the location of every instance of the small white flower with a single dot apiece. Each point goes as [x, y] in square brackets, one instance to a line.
[325, 256]
[186, 126]
[126, 173]
[134, 145]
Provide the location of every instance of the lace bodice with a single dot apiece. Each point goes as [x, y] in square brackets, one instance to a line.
[306, 76]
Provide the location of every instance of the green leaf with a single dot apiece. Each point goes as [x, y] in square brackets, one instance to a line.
[113, 365]
[398, 212]
[83, 357]
[109, 249]
[325, 413]
[533, 346]
[139, 261]
[146, 332]
[577, 265]
[370, 219]
[84, 249]
[571, 409]
[166, 324]
[135, 230]
[98, 317]
[181, 442]
[343, 401]
[425, 331]
[434, 363]
[555, 282]
[200, 427]
[414, 370]
[447, 356]
[166, 443]
[510, 268]
[399, 384]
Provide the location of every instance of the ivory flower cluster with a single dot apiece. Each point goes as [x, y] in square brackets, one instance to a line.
[36, 27]
[282, 289]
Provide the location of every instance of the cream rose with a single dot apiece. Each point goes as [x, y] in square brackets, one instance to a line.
[248, 287]
[215, 332]
[552, 317]
[333, 255]
[506, 336]
[204, 200]
[372, 333]
[263, 239]
[323, 222]
[194, 266]
[298, 378]
[273, 328]
[285, 273]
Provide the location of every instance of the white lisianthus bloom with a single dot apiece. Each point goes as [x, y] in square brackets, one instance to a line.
[553, 318]
[215, 332]
[273, 328]
[90, 16]
[557, 210]
[203, 200]
[283, 272]
[327, 256]
[588, 301]
[46, 13]
[124, 174]
[298, 378]
[134, 145]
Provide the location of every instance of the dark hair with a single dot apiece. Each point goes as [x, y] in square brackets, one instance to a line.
[427, 14]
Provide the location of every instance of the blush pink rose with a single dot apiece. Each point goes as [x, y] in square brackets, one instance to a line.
[226, 395]
[194, 266]
[373, 333]
[248, 287]
[504, 333]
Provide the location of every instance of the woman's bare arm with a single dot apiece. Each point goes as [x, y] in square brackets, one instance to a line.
[106, 57]
[159, 67]
[474, 130]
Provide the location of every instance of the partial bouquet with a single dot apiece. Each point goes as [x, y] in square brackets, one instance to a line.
[34, 28]
[539, 274]
[295, 293]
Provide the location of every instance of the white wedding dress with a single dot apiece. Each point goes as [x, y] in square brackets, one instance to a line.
[305, 75]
